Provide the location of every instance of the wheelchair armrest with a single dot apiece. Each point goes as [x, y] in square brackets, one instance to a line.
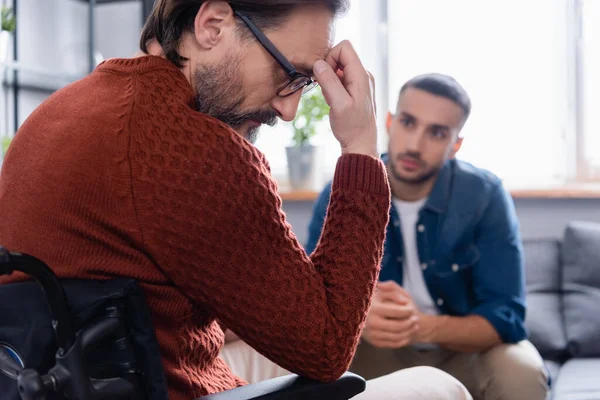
[294, 387]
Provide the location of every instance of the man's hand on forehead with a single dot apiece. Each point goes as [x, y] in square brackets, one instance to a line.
[349, 90]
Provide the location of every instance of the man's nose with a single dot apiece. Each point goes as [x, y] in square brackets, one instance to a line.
[415, 141]
[287, 107]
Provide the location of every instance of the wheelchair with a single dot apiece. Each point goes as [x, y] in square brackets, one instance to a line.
[89, 340]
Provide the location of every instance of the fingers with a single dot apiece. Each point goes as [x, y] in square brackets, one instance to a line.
[391, 291]
[392, 310]
[333, 90]
[344, 57]
[372, 80]
[393, 296]
[388, 286]
[372, 83]
[347, 89]
[378, 323]
[392, 287]
[390, 341]
[381, 334]
[404, 293]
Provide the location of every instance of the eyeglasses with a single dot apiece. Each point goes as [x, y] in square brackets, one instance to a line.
[298, 81]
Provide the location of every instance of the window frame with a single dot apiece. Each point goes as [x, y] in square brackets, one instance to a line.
[577, 170]
[585, 171]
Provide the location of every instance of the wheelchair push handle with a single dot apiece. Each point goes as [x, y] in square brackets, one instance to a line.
[61, 319]
[5, 267]
[69, 374]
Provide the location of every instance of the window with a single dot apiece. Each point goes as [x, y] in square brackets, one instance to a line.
[510, 57]
[361, 26]
[590, 88]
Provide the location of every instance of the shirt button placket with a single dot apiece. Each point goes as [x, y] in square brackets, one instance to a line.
[421, 229]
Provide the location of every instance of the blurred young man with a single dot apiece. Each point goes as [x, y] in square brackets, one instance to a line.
[145, 169]
[451, 292]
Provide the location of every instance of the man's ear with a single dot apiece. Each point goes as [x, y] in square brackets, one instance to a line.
[456, 147]
[212, 20]
[388, 121]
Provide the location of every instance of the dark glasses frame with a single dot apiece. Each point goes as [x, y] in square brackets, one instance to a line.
[298, 81]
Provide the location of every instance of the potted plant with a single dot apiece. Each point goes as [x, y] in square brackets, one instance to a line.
[9, 24]
[4, 144]
[301, 155]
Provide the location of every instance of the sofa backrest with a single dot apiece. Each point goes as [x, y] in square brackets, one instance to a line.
[581, 288]
[544, 317]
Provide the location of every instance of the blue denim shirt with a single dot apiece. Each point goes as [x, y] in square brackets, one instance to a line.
[468, 243]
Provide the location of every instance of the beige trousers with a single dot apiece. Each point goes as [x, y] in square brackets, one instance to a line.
[506, 372]
[419, 383]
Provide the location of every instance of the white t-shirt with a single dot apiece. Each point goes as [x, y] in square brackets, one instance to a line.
[413, 280]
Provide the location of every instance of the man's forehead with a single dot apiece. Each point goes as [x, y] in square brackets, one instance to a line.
[304, 63]
[424, 105]
[306, 37]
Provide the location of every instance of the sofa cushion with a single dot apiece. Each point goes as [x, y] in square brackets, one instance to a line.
[553, 368]
[578, 380]
[544, 316]
[581, 288]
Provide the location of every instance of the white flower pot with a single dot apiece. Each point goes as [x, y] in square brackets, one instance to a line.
[301, 167]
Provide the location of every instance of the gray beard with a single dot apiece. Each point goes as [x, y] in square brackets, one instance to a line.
[220, 94]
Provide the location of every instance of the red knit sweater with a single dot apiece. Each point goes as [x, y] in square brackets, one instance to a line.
[118, 175]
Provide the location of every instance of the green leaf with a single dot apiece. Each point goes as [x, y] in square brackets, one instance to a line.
[312, 109]
[5, 143]
[7, 17]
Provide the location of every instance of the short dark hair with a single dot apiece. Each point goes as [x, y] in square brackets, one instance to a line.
[444, 86]
[169, 19]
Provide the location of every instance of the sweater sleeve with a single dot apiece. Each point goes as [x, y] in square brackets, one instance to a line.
[211, 219]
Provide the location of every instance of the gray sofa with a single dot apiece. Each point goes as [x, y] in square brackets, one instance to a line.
[563, 317]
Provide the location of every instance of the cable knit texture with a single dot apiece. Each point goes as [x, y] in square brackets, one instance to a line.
[118, 175]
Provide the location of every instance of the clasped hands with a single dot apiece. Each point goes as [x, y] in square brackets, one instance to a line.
[394, 321]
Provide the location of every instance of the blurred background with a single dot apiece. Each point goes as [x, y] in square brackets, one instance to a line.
[528, 66]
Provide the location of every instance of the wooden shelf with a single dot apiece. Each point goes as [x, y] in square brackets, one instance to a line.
[299, 195]
[573, 191]
[580, 191]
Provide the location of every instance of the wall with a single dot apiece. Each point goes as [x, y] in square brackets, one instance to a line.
[540, 218]
[53, 37]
